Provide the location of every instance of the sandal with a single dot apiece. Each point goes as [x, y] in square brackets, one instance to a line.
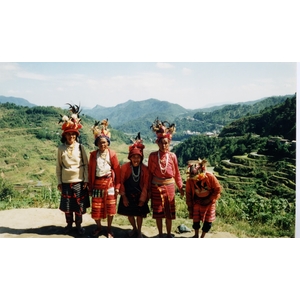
[110, 235]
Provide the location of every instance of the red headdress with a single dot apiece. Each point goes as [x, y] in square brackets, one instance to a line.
[137, 147]
[100, 129]
[161, 130]
[196, 169]
[71, 123]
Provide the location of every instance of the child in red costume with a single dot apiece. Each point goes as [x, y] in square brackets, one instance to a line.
[202, 191]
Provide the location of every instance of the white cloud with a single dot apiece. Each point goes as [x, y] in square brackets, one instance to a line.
[7, 70]
[28, 75]
[186, 71]
[164, 65]
[8, 66]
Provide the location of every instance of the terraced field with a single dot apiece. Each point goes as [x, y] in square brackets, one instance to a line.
[261, 172]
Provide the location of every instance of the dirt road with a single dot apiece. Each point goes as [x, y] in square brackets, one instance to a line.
[50, 223]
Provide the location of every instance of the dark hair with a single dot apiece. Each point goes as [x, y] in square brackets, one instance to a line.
[100, 137]
[63, 139]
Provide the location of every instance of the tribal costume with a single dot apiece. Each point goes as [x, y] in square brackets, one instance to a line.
[134, 184]
[201, 197]
[72, 171]
[164, 174]
[102, 184]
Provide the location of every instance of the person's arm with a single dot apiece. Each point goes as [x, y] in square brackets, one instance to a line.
[144, 184]
[216, 188]
[59, 170]
[177, 175]
[85, 166]
[117, 170]
[91, 171]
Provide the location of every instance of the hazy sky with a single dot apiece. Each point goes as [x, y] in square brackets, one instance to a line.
[191, 85]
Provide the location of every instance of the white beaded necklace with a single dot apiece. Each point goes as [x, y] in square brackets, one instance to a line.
[70, 149]
[163, 169]
[135, 177]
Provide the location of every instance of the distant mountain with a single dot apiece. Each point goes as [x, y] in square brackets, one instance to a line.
[133, 116]
[277, 120]
[125, 112]
[17, 101]
[229, 113]
[137, 116]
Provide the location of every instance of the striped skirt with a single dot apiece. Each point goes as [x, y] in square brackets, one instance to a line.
[73, 198]
[103, 198]
[163, 198]
[204, 212]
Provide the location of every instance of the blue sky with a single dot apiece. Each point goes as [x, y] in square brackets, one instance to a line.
[191, 85]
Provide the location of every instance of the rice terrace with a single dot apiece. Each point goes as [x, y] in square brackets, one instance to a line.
[251, 149]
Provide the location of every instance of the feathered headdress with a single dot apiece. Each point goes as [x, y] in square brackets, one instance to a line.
[137, 147]
[100, 129]
[71, 123]
[162, 130]
[196, 169]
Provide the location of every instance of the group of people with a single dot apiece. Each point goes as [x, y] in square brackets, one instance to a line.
[101, 178]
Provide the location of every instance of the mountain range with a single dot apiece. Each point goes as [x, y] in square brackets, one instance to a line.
[133, 116]
[17, 101]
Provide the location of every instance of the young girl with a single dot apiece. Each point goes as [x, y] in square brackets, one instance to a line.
[134, 189]
[202, 191]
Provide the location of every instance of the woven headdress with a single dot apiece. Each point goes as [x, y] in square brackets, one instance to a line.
[196, 169]
[137, 147]
[71, 123]
[162, 130]
[100, 130]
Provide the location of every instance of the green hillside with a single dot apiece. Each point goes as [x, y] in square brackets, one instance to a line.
[255, 161]
[278, 120]
[29, 139]
[256, 170]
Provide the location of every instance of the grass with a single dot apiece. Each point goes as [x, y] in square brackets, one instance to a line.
[28, 165]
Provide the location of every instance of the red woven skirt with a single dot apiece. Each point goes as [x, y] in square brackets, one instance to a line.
[204, 212]
[163, 198]
[103, 198]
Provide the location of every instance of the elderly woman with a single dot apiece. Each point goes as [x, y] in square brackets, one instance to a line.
[164, 175]
[72, 172]
[104, 179]
[202, 191]
[134, 188]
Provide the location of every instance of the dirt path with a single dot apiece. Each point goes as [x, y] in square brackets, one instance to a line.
[50, 223]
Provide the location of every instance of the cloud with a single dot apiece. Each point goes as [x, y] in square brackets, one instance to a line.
[186, 71]
[29, 75]
[9, 66]
[164, 65]
[7, 70]
[10, 71]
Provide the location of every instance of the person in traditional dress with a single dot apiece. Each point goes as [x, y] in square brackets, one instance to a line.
[134, 188]
[72, 171]
[202, 191]
[104, 178]
[164, 177]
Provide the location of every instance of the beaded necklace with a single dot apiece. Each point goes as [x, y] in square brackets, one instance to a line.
[163, 161]
[70, 149]
[135, 177]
